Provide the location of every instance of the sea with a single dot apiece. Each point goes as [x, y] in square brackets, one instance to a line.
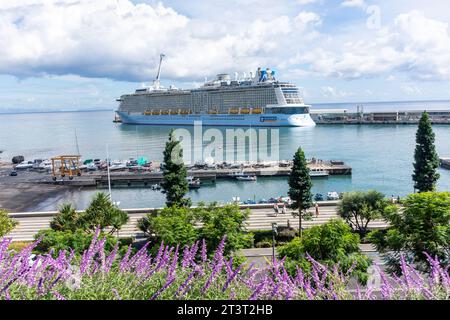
[381, 156]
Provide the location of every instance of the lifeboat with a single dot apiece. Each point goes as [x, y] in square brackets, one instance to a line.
[245, 111]
[148, 113]
[165, 112]
[256, 111]
[213, 112]
[174, 112]
[234, 111]
[185, 111]
[156, 112]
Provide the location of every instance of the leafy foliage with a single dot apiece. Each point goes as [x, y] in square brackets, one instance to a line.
[330, 244]
[67, 219]
[102, 213]
[173, 225]
[426, 158]
[79, 241]
[183, 226]
[174, 185]
[100, 274]
[359, 208]
[300, 185]
[228, 221]
[422, 225]
[6, 223]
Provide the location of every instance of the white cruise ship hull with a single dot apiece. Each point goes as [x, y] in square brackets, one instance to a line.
[254, 120]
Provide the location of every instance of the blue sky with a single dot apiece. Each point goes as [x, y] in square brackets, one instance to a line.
[83, 54]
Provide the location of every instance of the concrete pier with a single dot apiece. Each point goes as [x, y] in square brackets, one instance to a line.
[445, 163]
[146, 179]
[342, 116]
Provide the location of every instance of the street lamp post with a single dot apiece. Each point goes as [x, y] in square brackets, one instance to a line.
[274, 233]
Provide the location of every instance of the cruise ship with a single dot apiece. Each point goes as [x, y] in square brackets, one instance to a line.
[255, 100]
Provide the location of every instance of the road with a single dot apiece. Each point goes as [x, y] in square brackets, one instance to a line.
[259, 219]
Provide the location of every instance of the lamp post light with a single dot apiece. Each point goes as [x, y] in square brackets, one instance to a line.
[274, 233]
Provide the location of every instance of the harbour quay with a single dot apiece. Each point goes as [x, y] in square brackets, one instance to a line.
[343, 116]
[132, 178]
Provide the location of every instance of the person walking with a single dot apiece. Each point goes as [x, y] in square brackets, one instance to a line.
[317, 210]
[275, 209]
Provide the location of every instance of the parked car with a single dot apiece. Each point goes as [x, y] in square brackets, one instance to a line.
[13, 173]
[333, 195]
[318, 197]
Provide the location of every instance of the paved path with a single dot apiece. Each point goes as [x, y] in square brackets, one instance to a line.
[260, 219]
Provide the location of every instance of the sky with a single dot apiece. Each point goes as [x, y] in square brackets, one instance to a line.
[84, 54]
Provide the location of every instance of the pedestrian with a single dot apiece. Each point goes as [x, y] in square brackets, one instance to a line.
[283, 210]
[275, 209]
[317, 210]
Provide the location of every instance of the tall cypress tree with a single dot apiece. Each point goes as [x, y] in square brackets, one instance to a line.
[174, 184]
[426, 158]
[300, 186]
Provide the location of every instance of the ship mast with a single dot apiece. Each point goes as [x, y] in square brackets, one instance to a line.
[156, 81]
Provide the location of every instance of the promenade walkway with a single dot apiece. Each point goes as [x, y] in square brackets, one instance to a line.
[261, 218]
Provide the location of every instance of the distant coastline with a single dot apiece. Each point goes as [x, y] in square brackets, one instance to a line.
[55, 111]
[369, 106]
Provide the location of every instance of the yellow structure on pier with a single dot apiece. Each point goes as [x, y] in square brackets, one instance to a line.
[66, 164]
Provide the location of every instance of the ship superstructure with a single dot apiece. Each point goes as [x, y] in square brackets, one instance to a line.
[258, 100]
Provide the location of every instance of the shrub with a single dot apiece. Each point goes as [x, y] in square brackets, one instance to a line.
[55, 241]
[422, 225]
[263, 244]
[332, 243]
[101, 275]
[173, 225]
[184, 226]
[6, 223]
[228, 221]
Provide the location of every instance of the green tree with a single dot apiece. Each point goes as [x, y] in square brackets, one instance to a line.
[102, 213]
[359, 208]
[173, 225]
[300, 186]
[6, 223]
[175, 185]
[67, 219]
[422, 225]
[330, 244]
[228, 221]
[426, 158]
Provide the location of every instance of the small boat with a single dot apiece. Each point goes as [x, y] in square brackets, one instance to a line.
[25, 165]
[194, 183]
[317, 173]
[246, 178]
[46, 165]
[117, 165]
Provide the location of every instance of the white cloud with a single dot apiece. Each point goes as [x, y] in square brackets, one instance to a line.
[303, 2]
[332, 92]
[121, 40]
[413, 45]
[410, 89]
[353, 3]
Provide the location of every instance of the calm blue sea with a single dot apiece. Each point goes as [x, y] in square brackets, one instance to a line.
[381, 155]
